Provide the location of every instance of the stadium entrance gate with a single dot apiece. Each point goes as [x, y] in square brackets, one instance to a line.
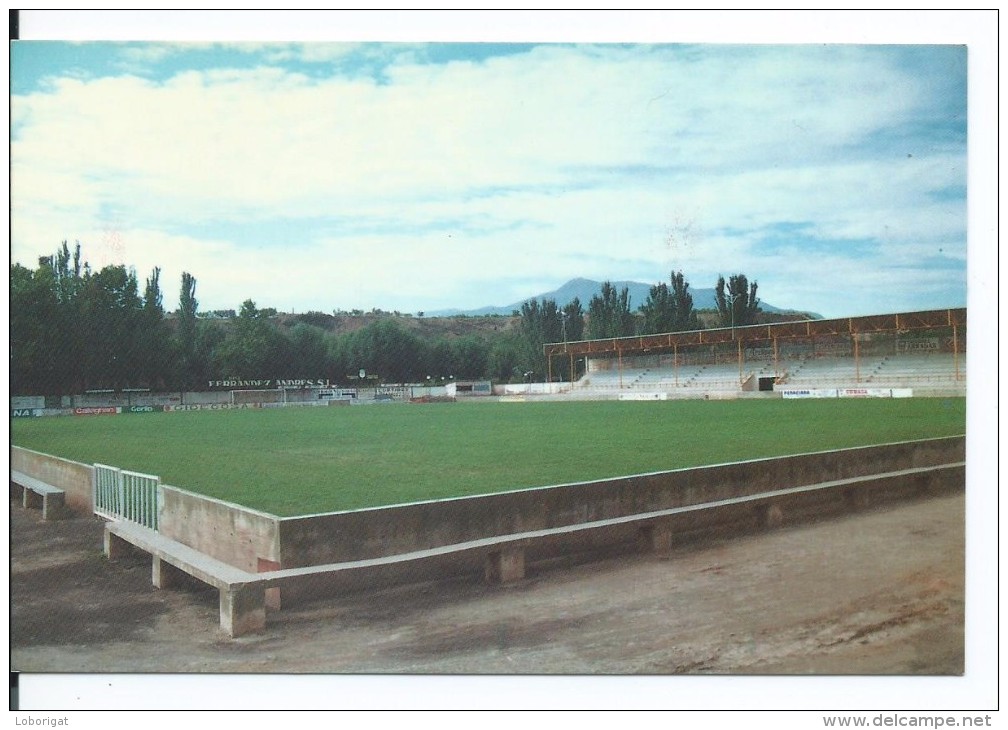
[126, 495]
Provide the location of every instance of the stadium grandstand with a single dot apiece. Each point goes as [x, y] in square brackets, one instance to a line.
[914, 353]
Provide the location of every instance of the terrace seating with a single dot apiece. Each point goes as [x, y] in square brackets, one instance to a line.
[793, 370]
[887, 370]
[716, 377]
[918, 369]
[830, 372]
[614, 378]
[696, 377]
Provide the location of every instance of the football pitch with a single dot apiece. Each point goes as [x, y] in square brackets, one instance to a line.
[299, 461]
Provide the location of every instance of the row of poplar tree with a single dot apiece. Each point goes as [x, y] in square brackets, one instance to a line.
[73, 329]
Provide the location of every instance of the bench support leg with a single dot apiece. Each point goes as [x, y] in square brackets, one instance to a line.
[272, 594]
[930, 484]
[115, 546]
[856, 499]
[31, 499]
[52, 506]
[505, 566]
[243, 610]
[164, 574]
[655, 538]
[771, 515]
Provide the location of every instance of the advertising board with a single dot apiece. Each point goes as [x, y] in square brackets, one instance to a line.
[808, 392]
[643, 396]
[266, 383]
[210, 407]
[866, 393]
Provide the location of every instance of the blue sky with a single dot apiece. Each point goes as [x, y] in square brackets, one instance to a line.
[421, 176]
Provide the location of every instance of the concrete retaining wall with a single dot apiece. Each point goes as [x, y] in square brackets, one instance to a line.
[236, 535]
[725, 521]
[72, 477]
[257, 542]
[378, 532]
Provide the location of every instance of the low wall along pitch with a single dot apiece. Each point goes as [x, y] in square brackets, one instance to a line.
[236, 535]
[256, 541]
[252, 556]
[372, 533]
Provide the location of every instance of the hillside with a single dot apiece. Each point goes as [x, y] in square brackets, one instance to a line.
[491, 321]
[457, 325]
[431, 327]
[585, 289]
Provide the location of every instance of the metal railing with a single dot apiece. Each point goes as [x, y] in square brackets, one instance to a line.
[126, 495]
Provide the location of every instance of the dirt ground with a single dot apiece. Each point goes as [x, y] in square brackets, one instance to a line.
[879, 592]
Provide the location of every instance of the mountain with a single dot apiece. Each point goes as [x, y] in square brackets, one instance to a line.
[585, 289]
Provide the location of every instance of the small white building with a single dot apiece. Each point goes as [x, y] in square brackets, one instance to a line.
[468, 387]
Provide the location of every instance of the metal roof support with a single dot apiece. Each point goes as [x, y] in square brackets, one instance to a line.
[906, 321]
[740, 363]
[955, 350]
[857, 358]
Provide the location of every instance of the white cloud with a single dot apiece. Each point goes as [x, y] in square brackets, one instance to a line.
[555, 163]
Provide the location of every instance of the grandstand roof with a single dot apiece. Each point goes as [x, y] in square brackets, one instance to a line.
[895, 323]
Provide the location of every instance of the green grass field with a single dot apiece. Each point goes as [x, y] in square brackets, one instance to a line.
[307, 460]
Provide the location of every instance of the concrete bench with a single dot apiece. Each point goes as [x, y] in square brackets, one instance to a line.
[243, 595]
[36, 493]
[242, 598]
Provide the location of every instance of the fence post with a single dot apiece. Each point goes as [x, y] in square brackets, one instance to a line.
[120, 495]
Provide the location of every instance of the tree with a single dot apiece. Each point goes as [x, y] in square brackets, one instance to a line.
[308, 350]
[669, 309]
[609, 314]
[254, 349]
[338, 360]
[153, 299]
[73, 329]
[386, 349]
[685, 317]
[154, 346]
[573, 321]
[203, 365]
[469, 357]
[658, 310]
[67, 281]
[186, 332]
[505, 361]
[739, 306]
[540, 323]
[38, 352]
[109, 320]
[440, 360]
[64, 336]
